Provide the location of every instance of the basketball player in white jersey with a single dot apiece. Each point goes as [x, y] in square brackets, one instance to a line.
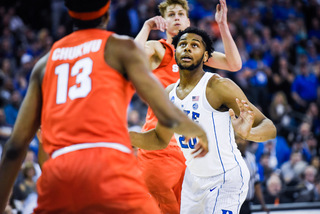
[218, 182]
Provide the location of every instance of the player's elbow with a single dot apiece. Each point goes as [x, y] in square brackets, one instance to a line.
[235, 66]
[273, 131]
[13, 153]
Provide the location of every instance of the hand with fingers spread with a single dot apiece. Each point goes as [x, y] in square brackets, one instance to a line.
[221, 12]
[157, 23]
[243, 123]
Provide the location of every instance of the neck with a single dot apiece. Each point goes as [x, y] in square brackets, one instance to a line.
[169, 37]
[190, 77]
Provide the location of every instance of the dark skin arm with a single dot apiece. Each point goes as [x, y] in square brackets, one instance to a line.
[25, 128]
[250, 123]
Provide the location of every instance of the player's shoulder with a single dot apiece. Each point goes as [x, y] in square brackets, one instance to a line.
[221, 85]
[155, 44]
[116, 40]
[218, 81]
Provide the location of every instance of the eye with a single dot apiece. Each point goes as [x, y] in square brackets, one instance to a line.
[171, 14]
[195, 45]
[182, 44]
[181, 14]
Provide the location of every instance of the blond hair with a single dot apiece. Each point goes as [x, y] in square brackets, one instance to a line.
[163, 6]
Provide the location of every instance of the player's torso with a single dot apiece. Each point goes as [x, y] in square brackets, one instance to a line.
[84, 99]
[223, 151]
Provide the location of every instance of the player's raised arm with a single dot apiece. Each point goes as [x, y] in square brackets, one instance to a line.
[231, 59]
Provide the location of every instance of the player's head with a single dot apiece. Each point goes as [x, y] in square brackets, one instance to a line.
[88, 13]
[176, 13]
[193, 48]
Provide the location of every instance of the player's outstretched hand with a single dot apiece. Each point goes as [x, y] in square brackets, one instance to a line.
[157, 23]
[221, 12]
[201, 148]
[243, 123]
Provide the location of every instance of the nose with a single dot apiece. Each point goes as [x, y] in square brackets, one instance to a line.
[187, 48]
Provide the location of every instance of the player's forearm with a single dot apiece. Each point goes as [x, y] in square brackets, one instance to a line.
[147, 140]
[9, 169]
[231, 51]
[263, 132]
[143, 35]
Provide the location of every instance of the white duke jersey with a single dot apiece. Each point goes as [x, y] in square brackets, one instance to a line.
[223, 153]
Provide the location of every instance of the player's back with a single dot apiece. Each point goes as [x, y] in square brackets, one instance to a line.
[84, 99]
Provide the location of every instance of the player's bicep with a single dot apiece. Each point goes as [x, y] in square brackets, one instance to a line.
[218, 60]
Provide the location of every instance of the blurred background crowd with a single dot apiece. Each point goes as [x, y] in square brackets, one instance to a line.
[279, 43]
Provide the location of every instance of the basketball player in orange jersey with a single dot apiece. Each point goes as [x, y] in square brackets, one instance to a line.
[163, 170]
[79, 93]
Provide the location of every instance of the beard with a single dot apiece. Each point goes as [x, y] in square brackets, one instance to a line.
[190, 67]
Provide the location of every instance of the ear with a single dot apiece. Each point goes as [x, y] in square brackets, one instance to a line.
[206, 56]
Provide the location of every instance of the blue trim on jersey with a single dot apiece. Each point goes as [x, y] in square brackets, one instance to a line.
[236, 161]
[224, 172]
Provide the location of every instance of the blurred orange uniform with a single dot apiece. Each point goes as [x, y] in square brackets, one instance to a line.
[84, 117]
[163, 170]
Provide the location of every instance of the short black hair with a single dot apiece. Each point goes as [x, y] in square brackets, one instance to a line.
[205, 37]
[83, 6]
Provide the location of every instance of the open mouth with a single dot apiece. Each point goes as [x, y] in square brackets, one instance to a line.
[186, 59]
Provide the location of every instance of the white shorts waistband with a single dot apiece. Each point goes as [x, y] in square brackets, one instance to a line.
[80, 146]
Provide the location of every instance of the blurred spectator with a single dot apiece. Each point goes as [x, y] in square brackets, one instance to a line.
[258, 78]
[11, 110]
[304, 88]
[278, 151]
[279, 112]
[274, 193]
[134, 121]
[312, 117]
[282, 77]
[27, 185]
[306, 188]
[291, 170]
[264, 168]
[31, 158]
[126, 18]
